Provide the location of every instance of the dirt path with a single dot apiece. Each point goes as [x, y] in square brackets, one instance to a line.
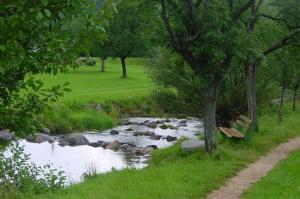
[254, 172]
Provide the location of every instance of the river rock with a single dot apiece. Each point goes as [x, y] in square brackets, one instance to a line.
[129, 129]
[6, 135]
[165, 126]
[182, 121]
[171, 138]
[76, 139]
[40, 138]
[114, 132]
[155, 137]
[192, 145]
[115, 145]
[99, 144]
[142, 133]
[167, 120]
[150, 148]
[139, 152]
[152, 125]
[63, 143]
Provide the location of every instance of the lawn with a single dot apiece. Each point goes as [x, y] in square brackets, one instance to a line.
[175, 175]
[88, 84]
[281, 182]
[77, 109]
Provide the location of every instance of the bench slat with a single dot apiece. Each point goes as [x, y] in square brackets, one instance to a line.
[238, 133]
[245, 119]
[231, 132]
[242, 124]
[224, 130]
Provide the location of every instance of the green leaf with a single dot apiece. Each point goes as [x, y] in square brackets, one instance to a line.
[39, 16]
[47, 12]
[44, 2]
[2, 48]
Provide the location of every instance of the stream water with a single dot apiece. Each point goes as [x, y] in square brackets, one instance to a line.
[77, 160]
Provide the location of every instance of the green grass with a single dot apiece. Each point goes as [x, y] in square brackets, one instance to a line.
[282, 182]
[88, 84]
[175, 175]
[77, 109]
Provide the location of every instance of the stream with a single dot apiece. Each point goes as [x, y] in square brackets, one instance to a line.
[136, 134]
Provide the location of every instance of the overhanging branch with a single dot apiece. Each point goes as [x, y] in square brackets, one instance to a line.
[282, 42]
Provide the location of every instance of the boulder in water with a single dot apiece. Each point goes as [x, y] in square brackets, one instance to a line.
[171, 138]
[114, 132]
[6, 135]
[76, 139]
[115, 145]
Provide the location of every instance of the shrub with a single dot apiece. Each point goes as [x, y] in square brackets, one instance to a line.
[18, 174]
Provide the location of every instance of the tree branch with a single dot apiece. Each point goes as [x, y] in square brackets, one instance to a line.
[165, 17]
[243, 9]
[279, 19]
[282, 42]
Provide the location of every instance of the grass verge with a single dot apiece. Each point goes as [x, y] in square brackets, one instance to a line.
[175, 175]
[282, 182]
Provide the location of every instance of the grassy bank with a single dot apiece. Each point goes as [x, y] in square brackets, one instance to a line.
[97, 99]
[282, 182]
[173, 174]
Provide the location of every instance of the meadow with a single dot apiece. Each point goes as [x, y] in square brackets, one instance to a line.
[88, 84]
[89, 87]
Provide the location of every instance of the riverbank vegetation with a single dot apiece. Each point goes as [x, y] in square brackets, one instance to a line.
[174, 174]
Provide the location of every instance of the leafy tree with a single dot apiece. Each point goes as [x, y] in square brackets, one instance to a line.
[103, 51]
[39, 37]
[283, 17]
[284, 75]
[124, 31]
[296, 85]
[207, 34]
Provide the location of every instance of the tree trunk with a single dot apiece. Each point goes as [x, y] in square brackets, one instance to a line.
[123, 61]
[210, 98]
[280, 114]
[295, 98]
[102, 64]
[251, 72]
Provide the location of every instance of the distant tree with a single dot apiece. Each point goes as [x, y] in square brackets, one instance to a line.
[284, 75]
[296, 76]
[124, 32]
[207, 35]
[39, 37]
[103, 51]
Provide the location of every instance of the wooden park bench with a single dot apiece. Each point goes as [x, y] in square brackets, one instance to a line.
[242, 129]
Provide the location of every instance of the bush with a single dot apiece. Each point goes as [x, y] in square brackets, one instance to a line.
[17, 174]
[87, 61]
[167, 101]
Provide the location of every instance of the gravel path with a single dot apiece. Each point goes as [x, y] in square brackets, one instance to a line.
[254, 172]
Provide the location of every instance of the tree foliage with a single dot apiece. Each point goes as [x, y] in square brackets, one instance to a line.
[39, 37]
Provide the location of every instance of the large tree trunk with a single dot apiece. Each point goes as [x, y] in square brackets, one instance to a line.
[280, 114]
[251, 73]
[295, 97]
[210, 94]
[123, 61]
[102, 65]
